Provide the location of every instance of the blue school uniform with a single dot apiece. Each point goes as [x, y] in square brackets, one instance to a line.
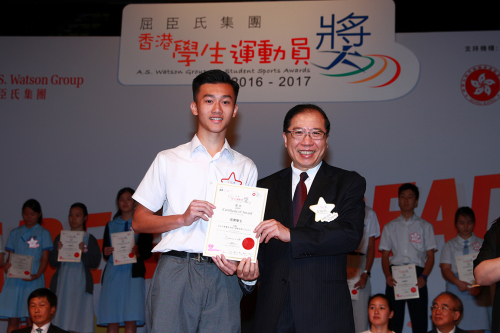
[75, 304]
[15, 292]
[122, 296]
[477, 310]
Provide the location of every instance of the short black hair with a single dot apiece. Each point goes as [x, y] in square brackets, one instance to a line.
[458, 302]
[465, 211]
[300, 108]
[408, 186]
[214, 76]
[44, 292]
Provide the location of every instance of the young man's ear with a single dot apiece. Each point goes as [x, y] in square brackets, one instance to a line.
[194, 108]
[235, 110]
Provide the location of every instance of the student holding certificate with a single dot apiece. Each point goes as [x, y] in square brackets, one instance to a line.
[191, 292]
[123, 288]
[30, 239]
[73, 283]
[457, 257]
[412, 242]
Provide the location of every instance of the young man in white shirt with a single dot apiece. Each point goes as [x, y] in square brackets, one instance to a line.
[190, 292]
[411, 240]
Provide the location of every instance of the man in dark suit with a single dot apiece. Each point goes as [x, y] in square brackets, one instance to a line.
[314, 217]
[42, 304]
[446, 309]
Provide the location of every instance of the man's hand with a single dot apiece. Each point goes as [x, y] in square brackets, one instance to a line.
[361, 284]
[198, 209]
[390, 281]
[272, 229]
[227, 267]
[247, 270]
[421, 282]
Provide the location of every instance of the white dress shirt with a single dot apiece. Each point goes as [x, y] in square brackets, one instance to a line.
[371, 229]
[455, 248]
[45, 328]
[188, 172]
[409, 240]
[311, 173]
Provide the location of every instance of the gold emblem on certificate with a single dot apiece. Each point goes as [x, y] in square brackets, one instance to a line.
[70, 251]
[230, 230]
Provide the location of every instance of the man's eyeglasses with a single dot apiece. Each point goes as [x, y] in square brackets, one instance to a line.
[444, 308]
[301, 134]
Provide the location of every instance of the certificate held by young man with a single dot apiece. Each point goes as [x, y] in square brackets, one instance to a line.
[239, 209]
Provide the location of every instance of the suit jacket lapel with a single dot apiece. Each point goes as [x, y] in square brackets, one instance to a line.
[322, 183]
[283, 186]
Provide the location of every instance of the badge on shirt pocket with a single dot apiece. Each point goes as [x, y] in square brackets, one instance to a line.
[416, 241]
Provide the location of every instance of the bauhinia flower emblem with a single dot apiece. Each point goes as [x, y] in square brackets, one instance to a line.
[482, 85]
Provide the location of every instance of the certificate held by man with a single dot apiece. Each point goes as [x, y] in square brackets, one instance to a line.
[239, 209]
[123, 242]
[70, 251]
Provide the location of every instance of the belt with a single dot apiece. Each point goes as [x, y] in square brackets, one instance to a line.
[353, 253]
[195, 256]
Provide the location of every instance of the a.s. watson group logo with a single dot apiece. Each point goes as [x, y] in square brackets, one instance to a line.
[480, 85]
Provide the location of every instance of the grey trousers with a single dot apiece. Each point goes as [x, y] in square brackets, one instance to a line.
[188, 296]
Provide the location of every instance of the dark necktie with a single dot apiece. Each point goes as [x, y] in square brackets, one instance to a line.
[299, 198]
[466, 247]
[39, 330]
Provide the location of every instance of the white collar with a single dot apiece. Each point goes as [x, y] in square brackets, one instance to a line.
[45, 328]
[195, 143]
[311, 173]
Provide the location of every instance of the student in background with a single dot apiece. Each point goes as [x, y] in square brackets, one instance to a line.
[476, 317]
[123, 288]
[362, 259]
[73, 282]
[411, 240]
[380, 314]
[33, 240]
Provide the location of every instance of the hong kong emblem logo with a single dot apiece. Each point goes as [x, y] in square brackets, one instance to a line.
[480, 85]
